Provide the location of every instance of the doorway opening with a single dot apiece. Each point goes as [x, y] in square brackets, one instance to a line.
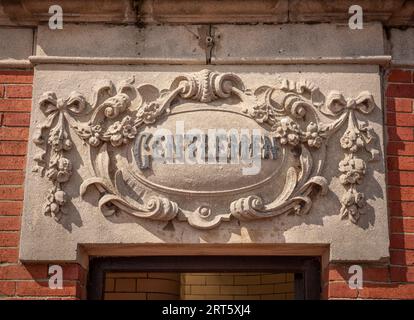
[204, 277]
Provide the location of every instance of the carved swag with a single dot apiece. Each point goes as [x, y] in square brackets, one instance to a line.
[290, 110]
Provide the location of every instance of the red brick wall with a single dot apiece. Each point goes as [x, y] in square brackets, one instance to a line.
[21, 281]
[394, 279]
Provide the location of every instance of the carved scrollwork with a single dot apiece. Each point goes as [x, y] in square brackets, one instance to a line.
[207, 86]
[291, 111]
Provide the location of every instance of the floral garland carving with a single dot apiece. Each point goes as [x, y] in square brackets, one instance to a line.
[118, 113]
[59, 168]
[357, 137]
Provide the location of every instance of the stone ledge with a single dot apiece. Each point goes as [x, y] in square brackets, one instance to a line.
[112, 60]
[15, 64]
[363, 60]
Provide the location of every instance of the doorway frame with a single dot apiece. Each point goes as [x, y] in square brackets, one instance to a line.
[307, 269]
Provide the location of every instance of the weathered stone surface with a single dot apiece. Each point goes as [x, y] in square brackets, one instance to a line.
[188, 44]
[15, 43]
[98, 193]
[183, 42]
[401, 43]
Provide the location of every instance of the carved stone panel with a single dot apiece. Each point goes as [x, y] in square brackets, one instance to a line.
[191, 155]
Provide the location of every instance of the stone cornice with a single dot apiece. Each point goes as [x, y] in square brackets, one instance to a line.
[33, 12]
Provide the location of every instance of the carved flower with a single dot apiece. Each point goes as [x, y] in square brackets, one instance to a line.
[114, 131]
[60, 197]
[55, 142]
[117, 140]
[94, 141]
[149, 113]
[346, 142]
[262, 111]
[59, 141]
[293, 139]
[353, 170]
[129, 131]
[352, 204]
[312, 135]
[55, 199]
[67, 144]
[119, 132]
[287, 131]
[89, 133]
[352, 140]
[60, 169]
[115, 128]
[64, 171]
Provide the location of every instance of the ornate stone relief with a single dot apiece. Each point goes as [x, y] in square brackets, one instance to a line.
[296, 114]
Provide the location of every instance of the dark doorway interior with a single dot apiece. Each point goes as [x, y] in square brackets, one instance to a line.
[303, 272]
